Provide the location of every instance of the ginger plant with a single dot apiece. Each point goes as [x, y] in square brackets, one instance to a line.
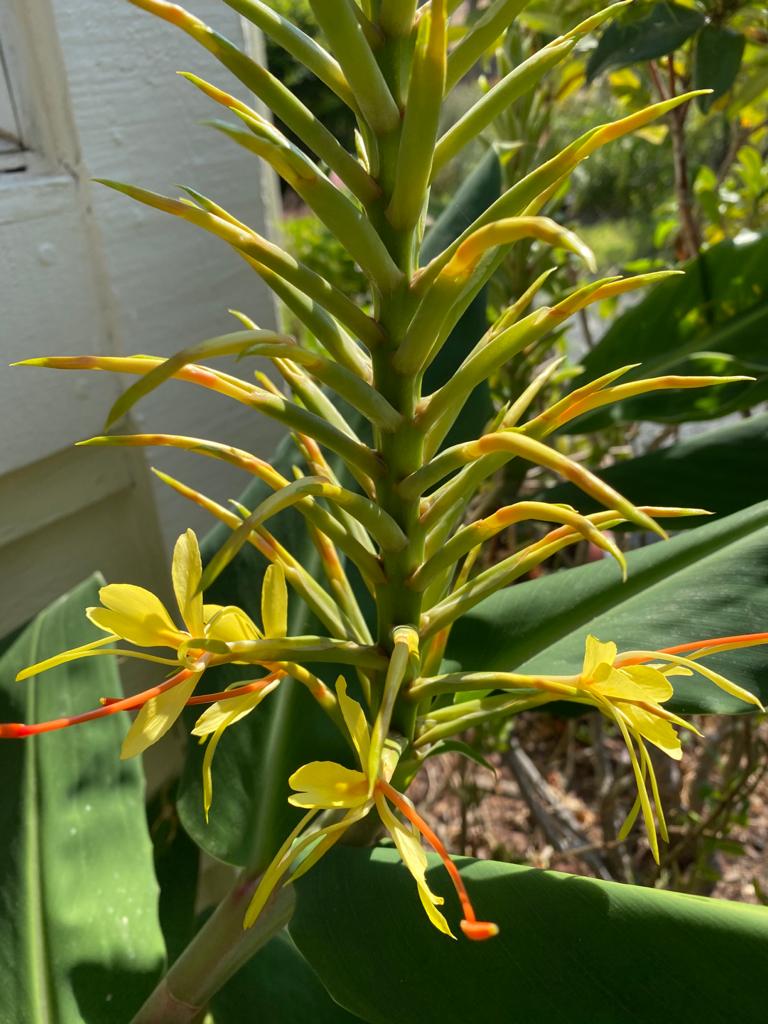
[384, 500]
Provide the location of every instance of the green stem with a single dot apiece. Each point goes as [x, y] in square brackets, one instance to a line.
[217, 952]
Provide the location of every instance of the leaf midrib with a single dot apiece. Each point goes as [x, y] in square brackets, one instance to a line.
[41, 987]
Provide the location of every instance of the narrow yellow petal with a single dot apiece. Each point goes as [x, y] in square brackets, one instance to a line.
[415, 859]
[642, 792]
[230, 711]
[274, 602]
[157, 716]
[86, 650]
[356, 722]
[135, 615]
[186, 572]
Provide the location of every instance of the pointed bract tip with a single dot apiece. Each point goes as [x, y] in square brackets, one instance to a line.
[479, 931]
[37, 361]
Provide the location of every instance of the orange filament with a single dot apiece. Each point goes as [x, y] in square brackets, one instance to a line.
[211, 698]
[472, 928]
[15, 730]
[747, 639]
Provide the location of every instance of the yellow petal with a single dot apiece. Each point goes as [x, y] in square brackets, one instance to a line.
[157, 716]
[356, 722]
[327, 784]
[136, 615]
[656, 730]
[415, 859]
[186, 571]
[596, 654]
[210, 750]
[229, 624]
[87, 650]
[274, 602]
[230, 711]
[642, 792]
[636, 682]
[718, 680]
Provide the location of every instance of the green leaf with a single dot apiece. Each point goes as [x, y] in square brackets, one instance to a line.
[79, 933]
[570, 949]
[177, 867]
[714, 470]
[716, 315]
[479, 190]
[660, 32]
[704, 583]
[716, 62]
[277, 986]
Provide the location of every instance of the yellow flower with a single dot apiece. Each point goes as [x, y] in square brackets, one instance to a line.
[136, 615]
[631, 692]
[328, 786]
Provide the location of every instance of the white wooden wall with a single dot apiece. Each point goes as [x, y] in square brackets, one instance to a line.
[83, 269]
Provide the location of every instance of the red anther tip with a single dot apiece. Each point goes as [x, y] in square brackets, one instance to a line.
[479, 931]
[12, 730]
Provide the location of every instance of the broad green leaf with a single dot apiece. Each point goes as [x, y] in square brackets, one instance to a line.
[474, 197]
[79, 934]
[715, 470]
[570, 949]
[658, 33]
[277, 986]
[717, 314]
[716, 62]
[704, 583]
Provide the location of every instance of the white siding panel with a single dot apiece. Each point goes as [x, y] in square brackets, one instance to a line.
[171, 283]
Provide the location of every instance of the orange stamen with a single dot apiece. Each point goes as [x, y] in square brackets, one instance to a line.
[472, 928]
[211, 698]
[747, 639]
[15, 730]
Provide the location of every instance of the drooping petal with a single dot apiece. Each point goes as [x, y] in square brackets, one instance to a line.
[231, 711]
[187, 570]
[411, 851]
[642, 792]
[355, 720]
[136, 615]
[327, 784]
[157, 716]
[596, 654]
[657, 731]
